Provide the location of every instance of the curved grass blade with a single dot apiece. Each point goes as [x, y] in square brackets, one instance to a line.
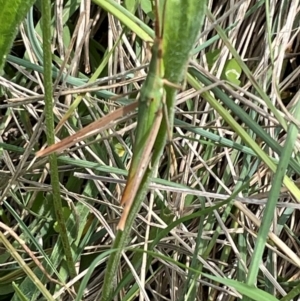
[87, 131]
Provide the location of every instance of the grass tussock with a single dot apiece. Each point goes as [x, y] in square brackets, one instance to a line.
[223, 203]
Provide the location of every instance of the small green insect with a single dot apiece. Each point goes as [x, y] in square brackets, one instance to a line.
[150, 112]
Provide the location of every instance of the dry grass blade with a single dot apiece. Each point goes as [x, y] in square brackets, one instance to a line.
[88, 131]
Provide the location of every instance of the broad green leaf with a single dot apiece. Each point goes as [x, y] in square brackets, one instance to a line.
[212, 56]
[232, 72]
[182, 25]
[130, 5]
[147, 7]
[12, 14]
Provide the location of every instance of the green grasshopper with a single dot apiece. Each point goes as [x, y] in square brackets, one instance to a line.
[150, 112]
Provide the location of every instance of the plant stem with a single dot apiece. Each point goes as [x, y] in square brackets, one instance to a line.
[57, 203]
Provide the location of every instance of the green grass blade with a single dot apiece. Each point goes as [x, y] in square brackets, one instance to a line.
[238, 111]
[269, 211]
[250, 291]
[245, 136]
[19, 293]
[246, 70]
[127, 18]
[24, 266]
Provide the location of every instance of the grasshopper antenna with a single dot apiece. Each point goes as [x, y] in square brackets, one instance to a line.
[159, 21]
